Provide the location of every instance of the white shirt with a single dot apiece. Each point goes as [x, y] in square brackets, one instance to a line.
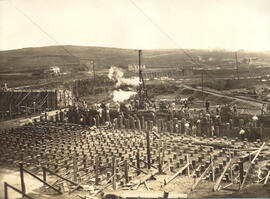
[242, 131]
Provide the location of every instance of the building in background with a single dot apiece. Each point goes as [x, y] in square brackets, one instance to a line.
[135, 67]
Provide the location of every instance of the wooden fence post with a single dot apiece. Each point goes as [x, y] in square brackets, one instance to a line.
[75, 168]
[261, 131]
[212, 167]
[6, 190]
[241, 170]
[126, 170]
[138, 162]
[96, 169]
[160, 160]
[114, 173]
[188, 171]
[44, 174]
[148, 149]
[22, 180]
[143, 123]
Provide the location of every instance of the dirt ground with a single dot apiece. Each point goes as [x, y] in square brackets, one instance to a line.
[180, 185]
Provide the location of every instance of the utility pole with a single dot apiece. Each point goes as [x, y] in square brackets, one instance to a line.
[94, 72]
[236, 62]
[142, 91]
[202, 88]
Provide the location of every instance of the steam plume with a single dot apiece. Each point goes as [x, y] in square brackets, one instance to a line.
[121, 96]
[117, 74]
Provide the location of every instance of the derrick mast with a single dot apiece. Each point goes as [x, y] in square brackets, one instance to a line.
[142, 92]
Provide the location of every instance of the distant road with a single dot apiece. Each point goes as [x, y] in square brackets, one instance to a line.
[220, 94]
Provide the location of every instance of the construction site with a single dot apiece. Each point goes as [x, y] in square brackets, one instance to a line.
[134, 99]
[134, 134]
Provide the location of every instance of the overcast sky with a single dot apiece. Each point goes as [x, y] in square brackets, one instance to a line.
[228, 24]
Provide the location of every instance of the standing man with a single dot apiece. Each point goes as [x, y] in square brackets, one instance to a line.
[218, 110]
[61, 114]
[242, 134]
[207, 105]
[263, 110]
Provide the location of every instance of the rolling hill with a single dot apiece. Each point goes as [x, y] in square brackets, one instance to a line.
[29, 59]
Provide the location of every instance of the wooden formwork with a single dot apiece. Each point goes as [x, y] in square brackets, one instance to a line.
[103, 157]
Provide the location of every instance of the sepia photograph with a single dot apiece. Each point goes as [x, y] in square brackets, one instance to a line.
[134, 99]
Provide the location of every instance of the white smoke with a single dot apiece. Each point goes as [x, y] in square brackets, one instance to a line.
[117, 74]
[120, 95]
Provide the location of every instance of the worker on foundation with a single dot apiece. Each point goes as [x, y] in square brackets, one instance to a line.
[263, 110]
[194, 129]
[207, 105]
[235, 110]
[46, 116]
[242, 134]
[185, 103]
[254, 121]
[212, 130]
[187, 129]
[117, 104]
[61, 115]
[218, 109]
[100, 114]
[107, 112]
[81, 119]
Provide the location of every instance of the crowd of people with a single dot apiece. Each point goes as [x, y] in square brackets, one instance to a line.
[209, 121]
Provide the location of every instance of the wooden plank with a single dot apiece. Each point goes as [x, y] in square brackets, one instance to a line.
[245, 178]
[147, 164]
[100, 190]
[213, 169]
[188, 171]
[157, 136]
[266, 178]
[250, 154]
[231, 172]
[43, 181]
[176, 174]
[137, 169]
[63, 178]
[114, 173]
[159, 157]
[227, 186]
[221, 176]
[193, 173]
[6, 185]
[146, 185]
[148, 149]
[147, 177]
[200, 178]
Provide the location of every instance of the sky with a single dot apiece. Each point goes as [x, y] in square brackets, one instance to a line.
[136, 24]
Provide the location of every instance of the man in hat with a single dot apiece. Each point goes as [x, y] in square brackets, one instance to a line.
[242, 134]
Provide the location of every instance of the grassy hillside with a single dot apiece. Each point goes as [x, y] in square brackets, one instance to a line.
[28, 59]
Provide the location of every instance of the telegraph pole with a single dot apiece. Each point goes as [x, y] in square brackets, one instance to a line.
[202, 88]
[236, 62]
[94, 72]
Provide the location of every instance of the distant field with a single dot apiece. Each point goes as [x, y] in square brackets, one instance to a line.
[29, 59]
